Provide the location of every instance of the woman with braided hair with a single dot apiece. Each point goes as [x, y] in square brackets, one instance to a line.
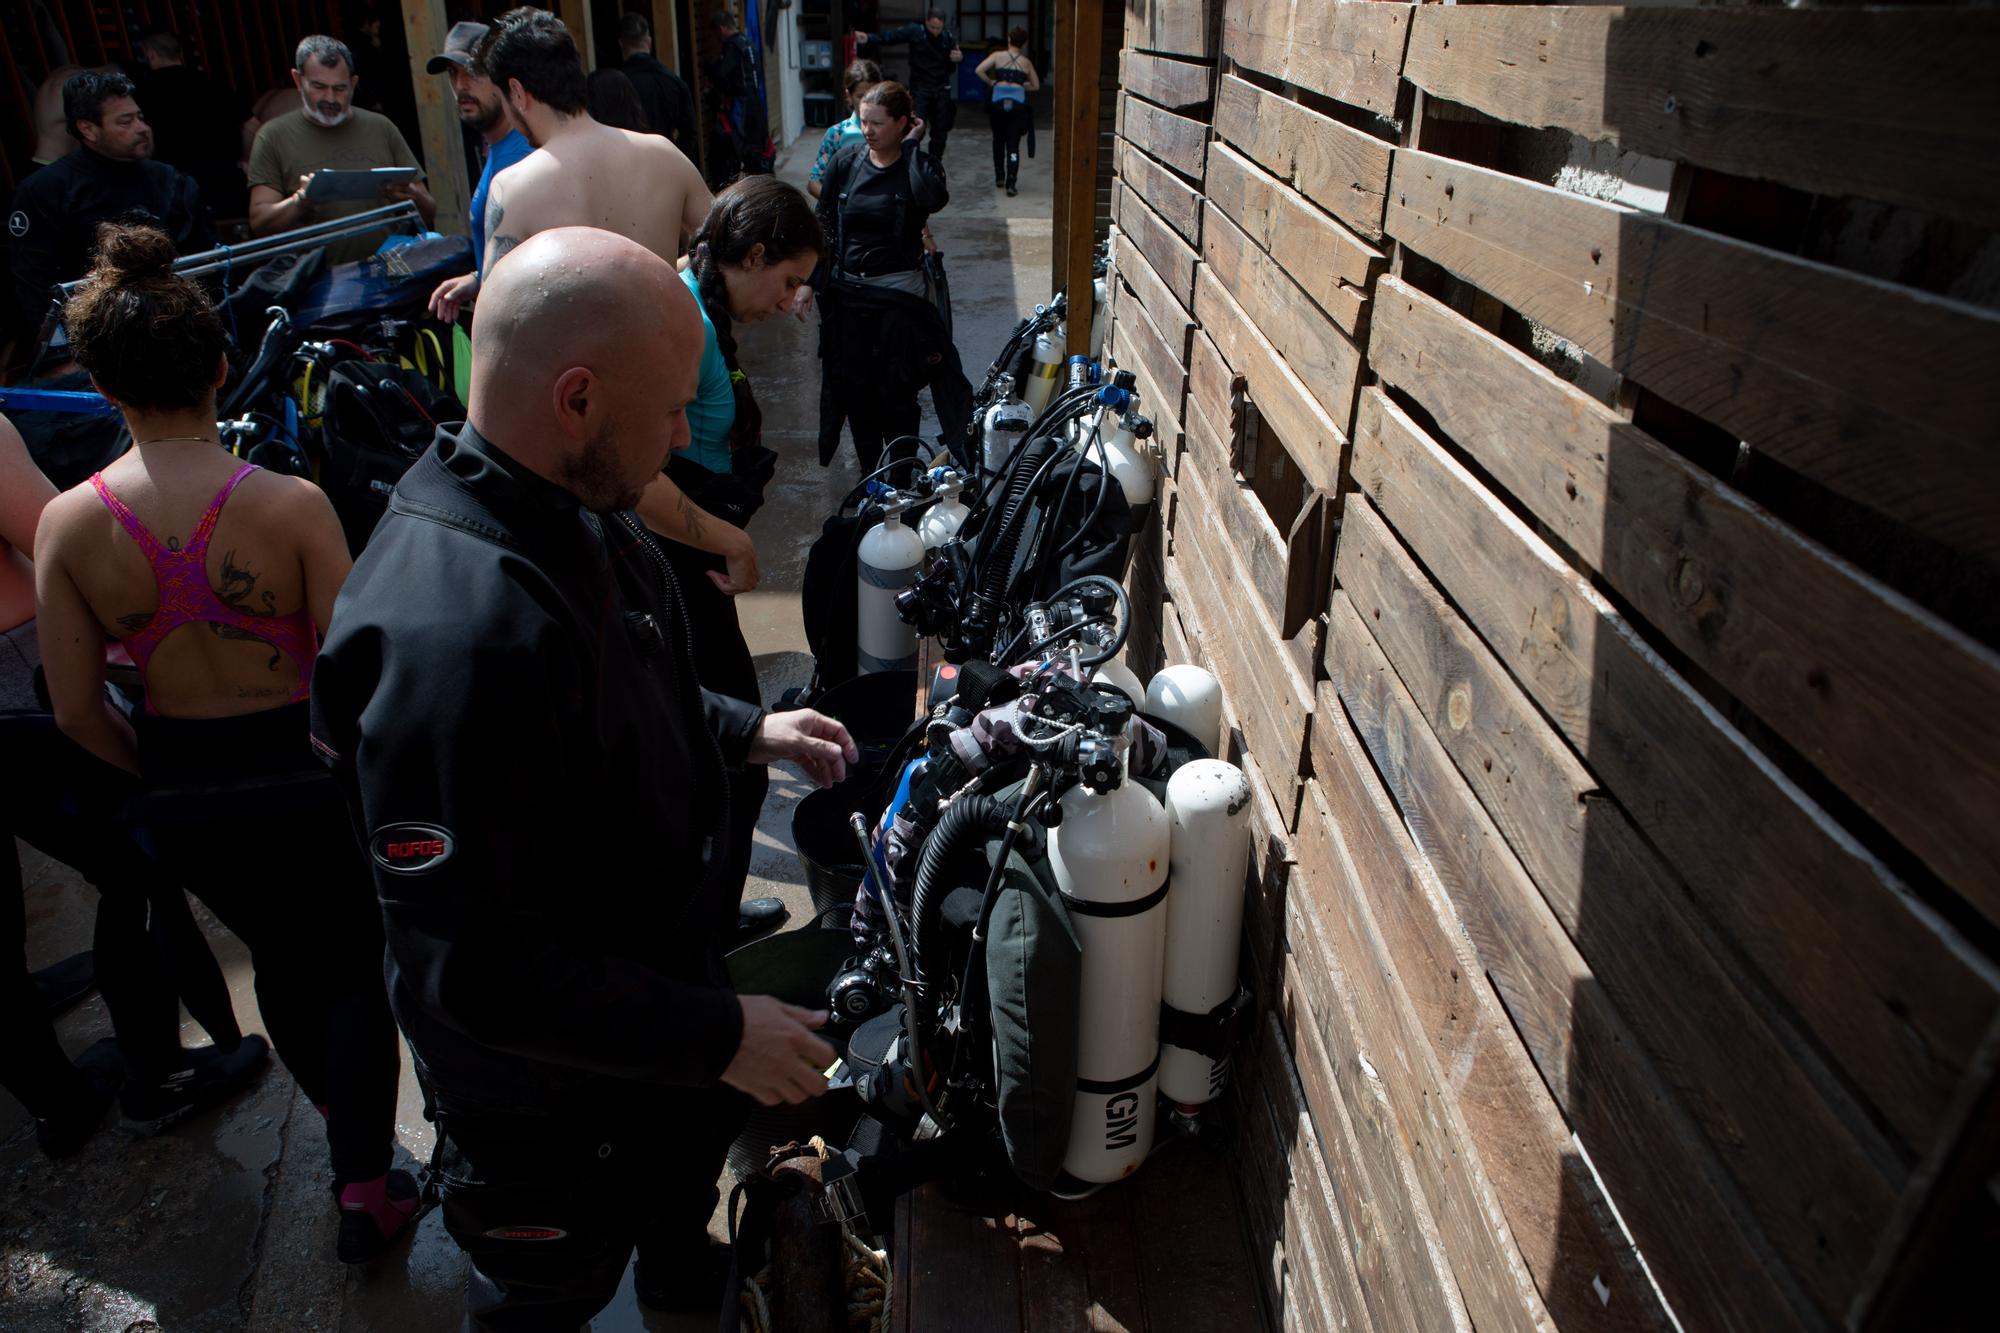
[750, 260]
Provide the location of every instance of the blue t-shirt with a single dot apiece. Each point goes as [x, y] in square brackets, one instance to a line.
[713, 410]
[498, 158]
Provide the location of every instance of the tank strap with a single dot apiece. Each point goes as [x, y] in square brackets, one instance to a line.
[1213, 1034]
[1134, 907]
[1104, 1088]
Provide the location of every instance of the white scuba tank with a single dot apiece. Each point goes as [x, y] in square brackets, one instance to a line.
[1046, 369]
[1129, 466]
[1109, 857]
[890, 559]
[1191, 699]
[1208, 814]
[1004, 426]
[941, 522]
[1116, 674]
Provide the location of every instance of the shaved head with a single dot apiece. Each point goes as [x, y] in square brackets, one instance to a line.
[586, 350]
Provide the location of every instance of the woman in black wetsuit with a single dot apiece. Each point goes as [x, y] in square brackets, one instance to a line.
[883, 331]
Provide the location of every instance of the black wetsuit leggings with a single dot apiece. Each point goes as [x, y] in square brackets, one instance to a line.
[722, 660]
[149, 952]
[239, 808]
[1010, 121]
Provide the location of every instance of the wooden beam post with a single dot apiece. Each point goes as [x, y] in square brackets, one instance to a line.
[1059, 203]
[424, 24]
[1076, 158]
[666, 33]
[575, 15]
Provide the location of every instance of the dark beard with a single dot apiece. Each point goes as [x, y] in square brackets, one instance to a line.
[487, 117]
[593, 475]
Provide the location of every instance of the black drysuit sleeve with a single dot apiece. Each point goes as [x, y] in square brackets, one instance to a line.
[927, 189]
[34, 244]
[483, 752]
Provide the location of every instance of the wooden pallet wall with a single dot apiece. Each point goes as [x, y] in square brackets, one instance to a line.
[1595, 524]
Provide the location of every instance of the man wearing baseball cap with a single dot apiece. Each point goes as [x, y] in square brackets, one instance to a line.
[481, 108]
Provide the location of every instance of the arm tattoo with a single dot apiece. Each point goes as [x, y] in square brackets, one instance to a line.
[693, 516]
[497, 245]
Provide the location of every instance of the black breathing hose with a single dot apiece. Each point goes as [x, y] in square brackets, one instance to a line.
[968, 820]
[998, 546]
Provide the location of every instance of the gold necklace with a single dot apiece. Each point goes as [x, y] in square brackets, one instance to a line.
[178, 439]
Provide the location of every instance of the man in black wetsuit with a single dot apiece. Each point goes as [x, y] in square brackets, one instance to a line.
[934, 57]
[52, 231]
[508, 691]
[665, 96]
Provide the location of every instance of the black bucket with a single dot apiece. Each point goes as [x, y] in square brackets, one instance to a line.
[825, 842]
[796, 967]
[878, 710]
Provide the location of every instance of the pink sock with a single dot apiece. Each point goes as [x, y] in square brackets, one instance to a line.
[372, 1197]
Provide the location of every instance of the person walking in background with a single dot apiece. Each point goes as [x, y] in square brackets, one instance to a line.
[861, 76]
[479, 107]
[883, 332]
[664, 94]
[199, 125]
[1009, 77]
[934, 57]
[741, 142]
[615, 102]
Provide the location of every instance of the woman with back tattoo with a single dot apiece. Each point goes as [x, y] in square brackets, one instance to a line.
[219, 579]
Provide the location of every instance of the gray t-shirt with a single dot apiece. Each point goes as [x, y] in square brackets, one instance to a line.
[292, 146]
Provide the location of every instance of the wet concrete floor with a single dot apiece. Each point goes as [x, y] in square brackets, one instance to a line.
[226, 1221]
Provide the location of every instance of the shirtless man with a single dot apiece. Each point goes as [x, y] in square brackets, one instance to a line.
[583, 174]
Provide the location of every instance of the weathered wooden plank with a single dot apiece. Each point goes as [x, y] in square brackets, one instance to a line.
[1788, 1135]
[1176, 27]
[1891, 990]
[1350, 51]
[1662, 1173]
[1323, 357]
[1314, 439]
[1154, 400]
[1179, 141]
[1230, 638]
[1171, 257]
[1141, 342]
[1332, 264]
[1178, 203]
[1490, 1171]
[1190, 1271]
[1927, 1272]
[1170, 318]
[962, 1273]
[1211, 385]
[1399, 1259]
[1890, 104]
[1896, 706]
[1338, 167]
[1259, 546]
[1315, 1241]
[1879, 392]
[1177, 85]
